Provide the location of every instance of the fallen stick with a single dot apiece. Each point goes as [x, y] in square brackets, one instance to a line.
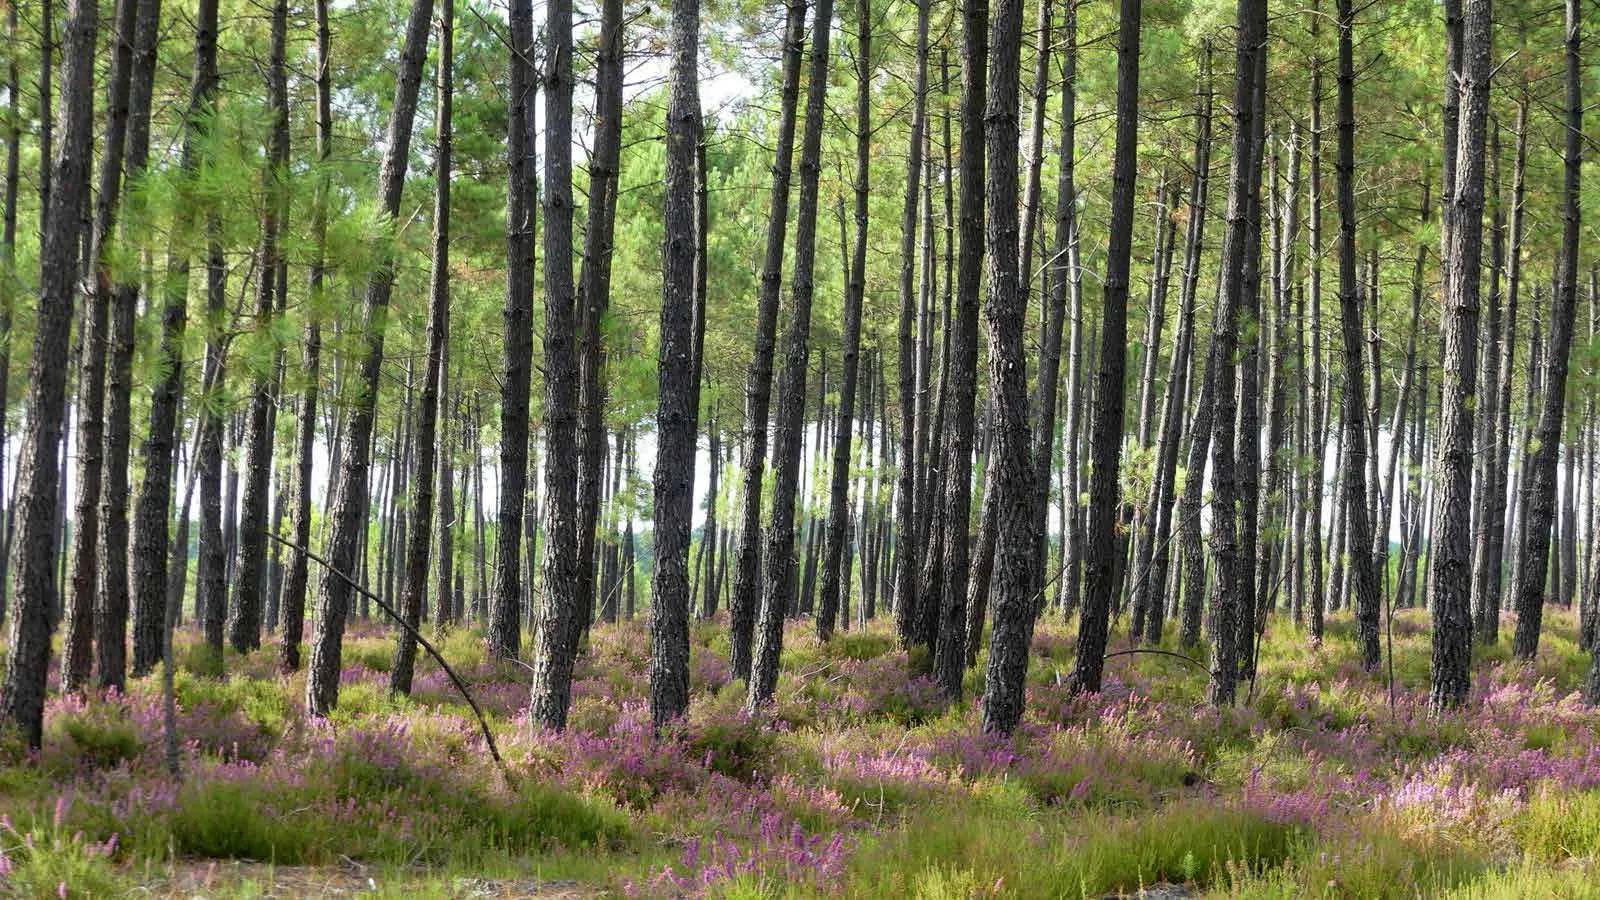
[483, 723]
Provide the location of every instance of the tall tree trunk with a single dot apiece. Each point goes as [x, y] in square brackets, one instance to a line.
[675, 414]
[835, 575]
[561, 619]
[78, 645]
[153, 511]
[1451, 555]
[743, 603]
[1544, 467]
[1150, 574]
[348, 529]
[594, 292]
[949, 638]
[778, 588]
[414, 587]
[1005, 311]
[111, 613]
[1358, 521]
[244, 628]
[293, 602]
[505, 624]
[22, 692]
[1251, 29]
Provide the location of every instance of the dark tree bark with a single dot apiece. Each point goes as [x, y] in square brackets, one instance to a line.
[835, 574]
[293, 602]
[8, 246]
[778, 588]
[1150, 572]
[594, 294]
[244, 625]
[742, 605]
[1451, 547]
[1048, 382]
[562, 617]
[111, 612]
[153, 511]
[348, 519]
[1004, 312]
[675, 414]
[1543, 466]
[1358, 520]
[946, 609]
[1111, 388]
[505, 623]
[78, 644]
[34, 565]
[414, 587]
[1225, 508]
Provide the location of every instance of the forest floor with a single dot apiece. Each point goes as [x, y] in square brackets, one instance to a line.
[861, 783]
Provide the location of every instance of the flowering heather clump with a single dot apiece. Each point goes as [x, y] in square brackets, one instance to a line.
[774, 857]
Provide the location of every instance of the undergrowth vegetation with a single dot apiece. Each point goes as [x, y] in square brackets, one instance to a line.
[1326, 782]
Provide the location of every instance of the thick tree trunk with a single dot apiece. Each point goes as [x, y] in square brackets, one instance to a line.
[675, 412]
[34, 566]
[1005, 311]
[948, 637]
[1451, 554]
[562, 617]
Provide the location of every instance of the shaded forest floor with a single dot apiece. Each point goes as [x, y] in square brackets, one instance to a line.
[864, 785]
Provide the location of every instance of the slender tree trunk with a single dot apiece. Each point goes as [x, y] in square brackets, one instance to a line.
[348, 513]
[778, 589]
[414, 587]
[78, 645]
[747, 588]
[1544, 466]
[244, 627]
[1358, 521]
[153, 510]
[835, 575]
[594, 292]
[1150, 575]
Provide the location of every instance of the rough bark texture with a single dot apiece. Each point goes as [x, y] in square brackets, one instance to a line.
[1451, 549]
[34, 564]
[348, 514]
[675, 413]
[1004, 312]
[244, 625]
[742, 605]
[293, 601]
[835, 572]
[505, 621]
[1547, 435]
[151, 514]
[1358, 518]
[414, 585]
[778, 588]
[560, 624]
